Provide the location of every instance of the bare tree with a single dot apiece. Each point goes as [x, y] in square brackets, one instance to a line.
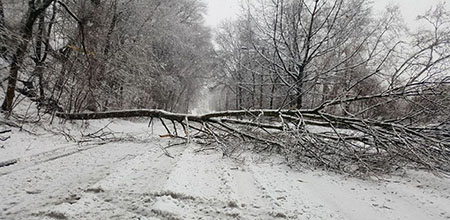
[34, 10]
[376, 90]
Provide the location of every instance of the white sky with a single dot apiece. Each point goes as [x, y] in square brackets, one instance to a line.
[219, 10]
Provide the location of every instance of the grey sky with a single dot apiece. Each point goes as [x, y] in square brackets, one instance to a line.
[219, 10]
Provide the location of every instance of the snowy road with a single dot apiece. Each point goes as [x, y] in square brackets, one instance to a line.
[141, 181]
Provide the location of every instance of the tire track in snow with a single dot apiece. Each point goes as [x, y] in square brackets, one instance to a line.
[125, 193]
[145, 184]
[322, 195]
[221, 187]
[51, 183]
[37, 159]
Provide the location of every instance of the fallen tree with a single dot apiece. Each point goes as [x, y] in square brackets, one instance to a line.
[312, 136]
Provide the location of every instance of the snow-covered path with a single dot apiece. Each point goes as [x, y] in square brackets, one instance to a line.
[132, 180]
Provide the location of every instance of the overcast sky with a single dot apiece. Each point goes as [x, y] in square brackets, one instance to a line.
[219, 10]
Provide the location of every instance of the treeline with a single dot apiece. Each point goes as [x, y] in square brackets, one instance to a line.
[336, 55]
[97, 55]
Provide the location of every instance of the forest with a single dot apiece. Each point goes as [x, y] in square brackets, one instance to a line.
[328, 83]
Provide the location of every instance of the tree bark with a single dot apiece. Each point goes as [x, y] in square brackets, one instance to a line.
[2, 16]
[3, 49]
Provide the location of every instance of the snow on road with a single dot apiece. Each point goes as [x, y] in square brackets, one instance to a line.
[134, 179]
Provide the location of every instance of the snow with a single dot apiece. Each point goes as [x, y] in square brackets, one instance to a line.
[131, 176]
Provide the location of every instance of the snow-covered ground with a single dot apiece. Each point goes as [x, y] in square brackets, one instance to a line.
[136, 177]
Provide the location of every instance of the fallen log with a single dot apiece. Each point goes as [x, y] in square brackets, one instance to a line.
[157, 113]
[349, 144]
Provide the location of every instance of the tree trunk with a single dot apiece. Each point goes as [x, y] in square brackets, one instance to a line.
[3, 49]
[18, 57]
[2, 16]
[299, 99]
[261, 92]
[299, 84]
[40, 58]
[13, 73]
